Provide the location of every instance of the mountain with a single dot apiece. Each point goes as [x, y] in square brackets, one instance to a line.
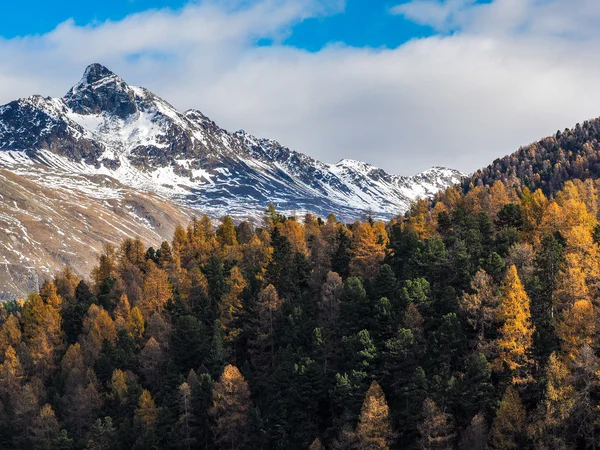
[109, 159]
[103, 126]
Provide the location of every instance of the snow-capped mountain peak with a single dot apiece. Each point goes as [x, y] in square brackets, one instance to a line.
[107, 127]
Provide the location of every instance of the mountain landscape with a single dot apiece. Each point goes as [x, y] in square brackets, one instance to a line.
[137, 164]
[168, 284]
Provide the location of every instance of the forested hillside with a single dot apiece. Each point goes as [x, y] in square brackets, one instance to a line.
[468, 325]
[548, 164]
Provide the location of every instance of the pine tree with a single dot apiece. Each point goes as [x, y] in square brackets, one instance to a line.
[231, 402]
[102, 436]
[269, 304]
[516, 332]
[374, 430]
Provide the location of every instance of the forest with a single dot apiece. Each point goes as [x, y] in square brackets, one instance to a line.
[470, 322]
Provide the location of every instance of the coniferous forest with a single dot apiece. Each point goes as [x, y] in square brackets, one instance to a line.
[469, 323]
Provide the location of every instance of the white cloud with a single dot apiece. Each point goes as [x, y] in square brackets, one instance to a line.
[512, 71]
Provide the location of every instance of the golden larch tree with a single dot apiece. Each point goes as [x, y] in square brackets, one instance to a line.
[231, 303]
[435, 428]
[516, 334]
[508, 428]
[146, 414]
[374, 431]
[368, 250]
[156, 290]
[230, 405]
[577, 328]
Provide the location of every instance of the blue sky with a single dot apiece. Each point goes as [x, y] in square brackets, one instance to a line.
[362, 23]
[402, 84]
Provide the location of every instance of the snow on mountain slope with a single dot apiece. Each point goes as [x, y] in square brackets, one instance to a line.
[103, 126]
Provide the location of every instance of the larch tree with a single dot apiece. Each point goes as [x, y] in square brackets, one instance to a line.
[508, 428]
[151, 360]
[42, 332]
[585, 413]
[10, 333]
[516, 334]
[45, 429]
[577, 328]
[98, 327]
[135, 323]
[121, 312]
[146, 412]
[226, 234]
[316, 445]
[145, 419]
[156, 290]
[329, 304]
[560, 396]
[50, 295]
[230, 405]
[475, 436]
[436, 428]
[374, 430]
[186, 417]
[294, 232]
[481, 305]
[368, 250]
[106, 268]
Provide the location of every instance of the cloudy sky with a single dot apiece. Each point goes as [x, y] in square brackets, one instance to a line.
[403, 85]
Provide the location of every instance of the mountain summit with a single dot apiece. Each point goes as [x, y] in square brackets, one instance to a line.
[101, 91]
[107, 127]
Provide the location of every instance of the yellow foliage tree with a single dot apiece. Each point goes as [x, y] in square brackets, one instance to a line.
[374, 431]
[577, 328]
[368, 250]
[156, 290]
[508, 427]
[231, 303]
[230, 405]
[516, 333]
[146, 413]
